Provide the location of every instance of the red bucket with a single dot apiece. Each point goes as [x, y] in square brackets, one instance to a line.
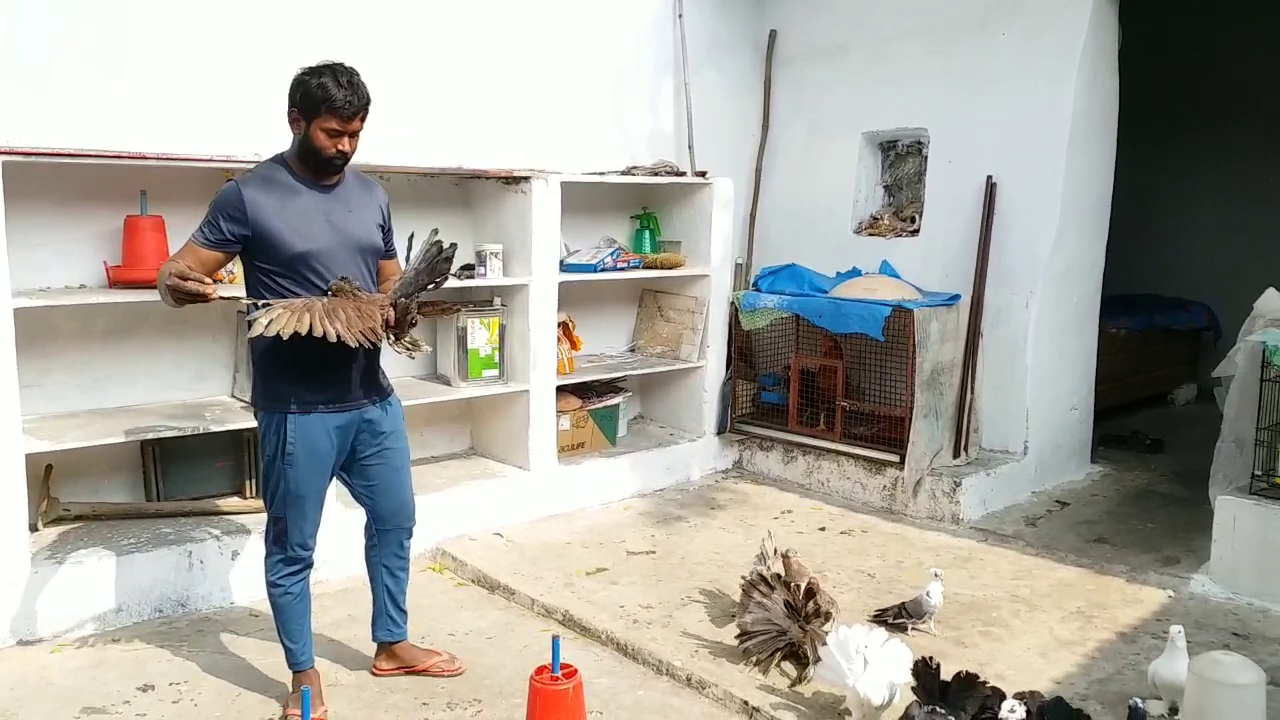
[556, 697]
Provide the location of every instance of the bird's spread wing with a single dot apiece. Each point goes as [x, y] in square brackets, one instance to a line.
[337, 319]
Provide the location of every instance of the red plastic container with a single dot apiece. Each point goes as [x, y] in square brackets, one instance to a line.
[556, 697]
[144, 244]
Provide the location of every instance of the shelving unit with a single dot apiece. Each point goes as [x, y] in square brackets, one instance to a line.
[98, 370]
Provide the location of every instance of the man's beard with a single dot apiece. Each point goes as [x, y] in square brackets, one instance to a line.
[317, 163]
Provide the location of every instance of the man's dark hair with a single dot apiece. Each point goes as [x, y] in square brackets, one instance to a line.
[330, 88]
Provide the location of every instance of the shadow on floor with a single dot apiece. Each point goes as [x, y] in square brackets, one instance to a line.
[195, 638]
[1150, 513]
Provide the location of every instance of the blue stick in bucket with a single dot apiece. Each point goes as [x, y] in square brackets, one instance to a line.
[142, 202]
[555, 655]
[306, 702]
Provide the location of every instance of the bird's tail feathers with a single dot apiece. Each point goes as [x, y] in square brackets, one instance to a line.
[966, 690]
[426, 271]
[1057, 708]
[927, 674]
[768, 553]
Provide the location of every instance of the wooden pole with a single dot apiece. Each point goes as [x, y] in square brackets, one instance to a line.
[688, 94]
[764, 139]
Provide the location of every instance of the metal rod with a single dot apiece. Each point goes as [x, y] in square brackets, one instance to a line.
[764, 138]
[688, 95]
[960, 442]
[977, 320]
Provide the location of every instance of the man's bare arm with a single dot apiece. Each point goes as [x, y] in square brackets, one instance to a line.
[388, 273]
[185, 278]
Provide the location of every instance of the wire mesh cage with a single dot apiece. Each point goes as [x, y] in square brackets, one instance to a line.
[792, 376]
[1265, 479]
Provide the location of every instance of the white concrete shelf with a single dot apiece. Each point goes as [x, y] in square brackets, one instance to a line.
[109, 426]
[595, 367]
[49, 297]
[88, 372]
[684, 272]
[486, 282]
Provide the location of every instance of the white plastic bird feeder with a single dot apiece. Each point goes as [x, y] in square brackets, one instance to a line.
[1222, 684]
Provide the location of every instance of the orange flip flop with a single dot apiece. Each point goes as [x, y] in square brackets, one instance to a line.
[425, 669]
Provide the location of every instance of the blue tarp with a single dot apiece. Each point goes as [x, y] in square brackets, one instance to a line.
[1147, 311]
[798, 290]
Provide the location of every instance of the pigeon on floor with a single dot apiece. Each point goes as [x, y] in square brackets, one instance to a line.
[868, 666]
[918, 612]
[966, 696]
[784, 613]
[1137, 709]
[1167, 674]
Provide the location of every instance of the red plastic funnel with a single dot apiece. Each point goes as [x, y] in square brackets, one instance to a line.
[145, 243]
[556, 697]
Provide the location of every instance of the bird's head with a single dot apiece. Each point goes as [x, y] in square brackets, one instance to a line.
[1012, 710]
[790, 554]
[1178, 635]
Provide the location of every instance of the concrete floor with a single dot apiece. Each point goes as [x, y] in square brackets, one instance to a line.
[1147, 512]
[227, 665]
[656, 578]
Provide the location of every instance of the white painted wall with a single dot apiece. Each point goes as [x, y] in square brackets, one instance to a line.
[568, 85]
[1025, 92]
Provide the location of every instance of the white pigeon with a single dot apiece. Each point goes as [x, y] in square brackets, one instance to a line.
[1012, 709]
[1167, 674]
[868, 665]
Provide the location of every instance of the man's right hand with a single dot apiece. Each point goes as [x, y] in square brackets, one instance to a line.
[180, 285]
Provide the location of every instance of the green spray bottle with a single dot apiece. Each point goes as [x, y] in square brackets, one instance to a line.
[648, 231]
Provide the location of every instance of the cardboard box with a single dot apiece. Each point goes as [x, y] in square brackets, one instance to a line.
[584, 431]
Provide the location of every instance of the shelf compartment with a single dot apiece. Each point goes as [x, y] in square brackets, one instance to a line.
[592, 210]
[642, 435]
[600, 367]
[684, 272]
[110, 426]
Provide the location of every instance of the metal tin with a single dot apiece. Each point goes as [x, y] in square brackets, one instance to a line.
[471, 347]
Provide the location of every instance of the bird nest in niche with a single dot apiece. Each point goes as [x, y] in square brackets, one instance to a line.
[902, 171]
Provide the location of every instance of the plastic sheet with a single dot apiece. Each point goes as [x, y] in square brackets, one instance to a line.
[1241, 373]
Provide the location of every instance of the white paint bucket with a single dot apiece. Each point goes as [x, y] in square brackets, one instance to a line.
[488, 260]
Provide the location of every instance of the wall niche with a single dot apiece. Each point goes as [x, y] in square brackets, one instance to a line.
[892, 165]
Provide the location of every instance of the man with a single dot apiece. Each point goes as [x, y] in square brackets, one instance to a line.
[324, 409]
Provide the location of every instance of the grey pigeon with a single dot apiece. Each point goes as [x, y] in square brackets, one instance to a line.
[918, 612]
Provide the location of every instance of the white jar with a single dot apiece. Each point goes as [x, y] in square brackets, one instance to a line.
[488, 260]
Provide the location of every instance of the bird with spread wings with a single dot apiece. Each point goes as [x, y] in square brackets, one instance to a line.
[350, 314]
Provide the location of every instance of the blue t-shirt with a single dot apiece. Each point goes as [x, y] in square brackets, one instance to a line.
[294, 237]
